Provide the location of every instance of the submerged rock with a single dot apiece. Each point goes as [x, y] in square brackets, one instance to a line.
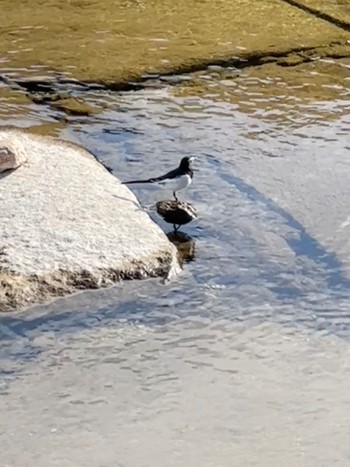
[176, 212]
[70, 105]
[66, 223]
[75, 106]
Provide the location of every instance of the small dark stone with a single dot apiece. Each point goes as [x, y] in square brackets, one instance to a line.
[176, 212]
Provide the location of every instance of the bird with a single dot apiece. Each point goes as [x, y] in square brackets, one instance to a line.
[177, 179]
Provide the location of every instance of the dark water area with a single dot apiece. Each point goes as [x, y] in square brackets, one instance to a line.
[247, 350]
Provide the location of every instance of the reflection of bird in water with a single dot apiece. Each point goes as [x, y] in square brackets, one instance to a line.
[176, 212]
[185, 245]
[176, 180]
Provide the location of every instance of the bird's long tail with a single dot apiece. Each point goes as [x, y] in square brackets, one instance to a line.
[149, 180]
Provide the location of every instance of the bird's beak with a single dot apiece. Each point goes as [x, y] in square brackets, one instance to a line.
[193, 159]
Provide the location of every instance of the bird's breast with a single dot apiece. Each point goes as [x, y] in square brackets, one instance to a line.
[178, 183]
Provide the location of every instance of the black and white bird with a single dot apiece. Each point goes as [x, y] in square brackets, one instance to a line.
[176, 180]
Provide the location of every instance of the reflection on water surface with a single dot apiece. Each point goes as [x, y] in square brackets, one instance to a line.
[243, 359]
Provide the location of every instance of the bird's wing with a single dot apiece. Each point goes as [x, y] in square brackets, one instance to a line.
[169, 175]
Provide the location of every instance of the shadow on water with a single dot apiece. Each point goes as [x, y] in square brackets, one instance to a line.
[305, 244]
[72, 320]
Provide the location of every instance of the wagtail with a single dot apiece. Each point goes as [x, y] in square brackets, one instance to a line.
[176, 180]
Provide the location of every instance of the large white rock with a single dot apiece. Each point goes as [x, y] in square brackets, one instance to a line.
[66, 223]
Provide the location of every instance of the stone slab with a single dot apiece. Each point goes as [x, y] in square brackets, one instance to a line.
[337, 9]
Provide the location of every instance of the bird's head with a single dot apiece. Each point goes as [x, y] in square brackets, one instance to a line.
[186, 162]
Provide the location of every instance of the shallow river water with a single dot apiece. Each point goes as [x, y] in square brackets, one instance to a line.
[243, 360]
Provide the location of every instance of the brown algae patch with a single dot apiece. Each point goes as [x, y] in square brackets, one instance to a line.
[108, 41]
[13, 103]
[68, 105]
[274, 91]
[48, 128]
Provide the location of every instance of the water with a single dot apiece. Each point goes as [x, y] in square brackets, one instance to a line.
[243, 359]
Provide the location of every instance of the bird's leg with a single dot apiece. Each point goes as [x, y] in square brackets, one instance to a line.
[176, 198]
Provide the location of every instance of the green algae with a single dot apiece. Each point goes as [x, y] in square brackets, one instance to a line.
[117, 41]
[13, 103]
